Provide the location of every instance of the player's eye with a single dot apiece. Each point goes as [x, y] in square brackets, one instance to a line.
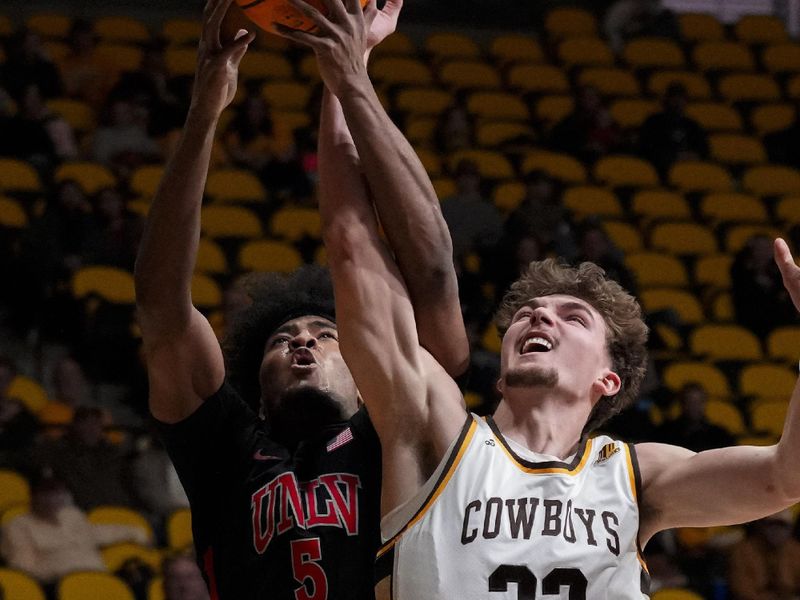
[327, 335]
[577, 318]
[523, 314]
[278, 341]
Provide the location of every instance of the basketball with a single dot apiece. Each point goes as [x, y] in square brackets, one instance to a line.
[265, 13]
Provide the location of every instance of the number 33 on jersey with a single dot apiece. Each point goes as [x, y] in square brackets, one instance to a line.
[494, 525]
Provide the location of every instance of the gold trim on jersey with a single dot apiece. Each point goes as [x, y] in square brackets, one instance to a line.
[562, 470]
[632, 479]
[455, 459]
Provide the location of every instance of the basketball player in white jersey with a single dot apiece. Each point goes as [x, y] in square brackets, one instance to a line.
[524, 504]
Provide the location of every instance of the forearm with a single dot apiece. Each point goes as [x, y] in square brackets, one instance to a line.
[788, 449]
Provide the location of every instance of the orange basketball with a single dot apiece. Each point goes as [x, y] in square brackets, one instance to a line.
[265, 13]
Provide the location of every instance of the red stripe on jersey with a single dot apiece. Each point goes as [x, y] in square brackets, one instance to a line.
[208, 567]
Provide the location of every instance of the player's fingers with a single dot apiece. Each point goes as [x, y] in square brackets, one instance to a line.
[783, 257]
[370, 12]
[336, 11]
[301, 37]
[353, 6]
[392, 8]
[237, 49]
[320, 20]
[214, 23]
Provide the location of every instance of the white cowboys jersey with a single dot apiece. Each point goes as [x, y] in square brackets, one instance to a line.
[491, 525]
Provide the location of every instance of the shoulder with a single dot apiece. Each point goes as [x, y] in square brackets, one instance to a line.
[654, 457]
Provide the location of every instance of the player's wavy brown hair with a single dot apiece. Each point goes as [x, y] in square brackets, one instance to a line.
[627, 332]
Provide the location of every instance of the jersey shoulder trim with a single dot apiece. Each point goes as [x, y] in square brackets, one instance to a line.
[635, 479]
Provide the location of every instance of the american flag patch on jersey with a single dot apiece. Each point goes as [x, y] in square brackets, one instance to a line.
[340, 440]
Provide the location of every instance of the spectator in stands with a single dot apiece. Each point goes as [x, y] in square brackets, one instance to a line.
[691, 429]
[94, 469]
[671, 135]
[455, 129]
[124, 142]
[27, 63]
[589, 131]
[182, 579]
[783, 146]
[474, 222]
[595, 246]
[766, 564]
[56, 538]
[114, 231]
[18, 426]
[86, 76]
[70, 388]
[760, 301]
[626, 19]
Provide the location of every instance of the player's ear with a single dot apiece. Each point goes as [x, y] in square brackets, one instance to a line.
[608, 384]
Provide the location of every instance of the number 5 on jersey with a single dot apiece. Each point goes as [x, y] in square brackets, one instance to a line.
[306, 570]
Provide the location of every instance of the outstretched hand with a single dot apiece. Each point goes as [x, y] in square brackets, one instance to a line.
[217, 61]
[384, 21]
[789, 270]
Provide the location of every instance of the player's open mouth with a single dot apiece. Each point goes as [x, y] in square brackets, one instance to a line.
[303, 358]
[536, 343]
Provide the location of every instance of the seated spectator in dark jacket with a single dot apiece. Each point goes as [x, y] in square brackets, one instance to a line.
[589, 131]
[114, 231]
[626, 19]
[595, 246]
[671, 135]
[783, 146]
[18, 426]
[28, 64]
[691, 429]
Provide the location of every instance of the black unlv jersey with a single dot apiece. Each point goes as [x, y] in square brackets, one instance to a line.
[269, 525]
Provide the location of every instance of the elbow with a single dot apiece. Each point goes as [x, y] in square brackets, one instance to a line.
[785, 479]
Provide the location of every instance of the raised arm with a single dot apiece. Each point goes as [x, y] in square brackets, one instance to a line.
[184, 360]
[407, 206]
[727, 485]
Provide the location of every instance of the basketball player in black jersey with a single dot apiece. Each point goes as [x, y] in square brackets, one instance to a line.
[280, 462]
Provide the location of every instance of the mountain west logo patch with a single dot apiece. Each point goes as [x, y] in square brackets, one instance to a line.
[606, 452]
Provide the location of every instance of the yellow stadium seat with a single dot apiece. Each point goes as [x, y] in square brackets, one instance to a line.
[451, 45]
[55, 50]
[210, 258]
[772, 180]
[570, 21]
[699, 27]
[291, 119]
[624, 235]
[49, 25]
[793, 87]
[625, 171]
[767, 380]
[92, 177]
[231, 185]
[722, 310]
[760, 29]
[471, 74]
[684, 303]
[269, 256]
[109, 283]
[123, 57]
[653, 269]
[79, 115]
[715, 116]
[497, 105]
[92, 586]
[700, 176]
[206, 292]
[697, 86]
[421, 129]
[539, 79]
[491, 164]
[631, 112]
[510, 48]
[586, 200]
[145, 180]
[678, 374]
[182, 31]
[181, 60]
[508, 195]
[115, 556]
[749, 87]
[726, 207]
[783, 343]
[653, 53]
[124, 29]
[155, 589]
[491, 134]
[308, 69]
[286, 95]
[787, 210]
[585, 51]
[723, 56]
[767, 118]
[782, 58]
[725, 342]
[120, 515]
[683, 238]
[14, 489]
[736, 236]
[263, 64]
[12, 214]
[725, 415]
[736, 149]
[559, 166]
[179, 529]
[490, 340]
[16, 585]
[6, 26]
[229, 221]
[551, 109]
[610, 82]
[444, 187]
[394, 70]
[660, 204]
[397, 43]
[293, 224]
[28, 391]
[422, 100]
[18, 176]
[769, 416]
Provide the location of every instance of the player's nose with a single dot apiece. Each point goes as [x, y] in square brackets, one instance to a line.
[303, 339]
[542, 314]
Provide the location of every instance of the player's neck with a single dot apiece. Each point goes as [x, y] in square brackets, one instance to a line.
[552, 427]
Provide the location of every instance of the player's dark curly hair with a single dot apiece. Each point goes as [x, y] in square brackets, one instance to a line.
[275, 299]
[627, 332]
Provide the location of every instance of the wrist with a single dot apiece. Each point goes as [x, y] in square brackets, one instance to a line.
[202, 116]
